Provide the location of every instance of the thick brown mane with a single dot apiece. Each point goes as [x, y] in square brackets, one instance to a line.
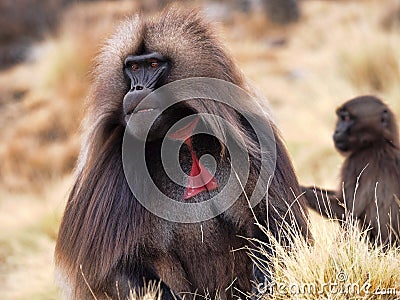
[109, 233]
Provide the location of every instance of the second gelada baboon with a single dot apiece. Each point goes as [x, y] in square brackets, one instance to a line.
[367, 135]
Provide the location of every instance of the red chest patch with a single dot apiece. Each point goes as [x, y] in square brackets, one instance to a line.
[200, 179]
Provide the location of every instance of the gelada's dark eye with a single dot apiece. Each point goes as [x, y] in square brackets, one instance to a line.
[154, 63]
[345, 117]
[135, 67]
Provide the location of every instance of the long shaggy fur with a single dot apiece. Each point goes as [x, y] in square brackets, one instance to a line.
[107, 237]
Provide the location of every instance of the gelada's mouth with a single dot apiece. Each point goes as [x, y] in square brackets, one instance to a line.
[139, 112]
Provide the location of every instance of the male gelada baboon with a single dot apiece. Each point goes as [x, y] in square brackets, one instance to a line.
[367, 134]
[108, 240]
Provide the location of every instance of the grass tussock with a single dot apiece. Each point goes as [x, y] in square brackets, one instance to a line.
[338, 269]
[341, 264]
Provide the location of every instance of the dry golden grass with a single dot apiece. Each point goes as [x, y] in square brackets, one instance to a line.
[340, 49]
[340, 265]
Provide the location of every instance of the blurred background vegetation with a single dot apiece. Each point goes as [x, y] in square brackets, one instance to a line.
[306, 57]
